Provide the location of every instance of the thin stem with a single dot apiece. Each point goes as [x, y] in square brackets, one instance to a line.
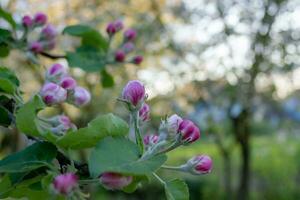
[158, 178]
[48, 55]
[138, 137]
[87, 181]
[170, 148]
[175, 168]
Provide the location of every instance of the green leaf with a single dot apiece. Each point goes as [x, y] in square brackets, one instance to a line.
[176, 190]
[33, 157]
[135, 183]
[4, 50]
[121, 155]
[8, 80]
[100, 127]
[8, 17]
[107, 79]
[5, 119]
[10, 75]
[26, 116]
[89, 61]
[90, 36]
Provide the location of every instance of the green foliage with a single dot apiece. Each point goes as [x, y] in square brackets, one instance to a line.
[91, 55]
[176, 190]
[26, 116]
[100, 127]
[7, 17]
[8, 81]
[89, 36]
[87, 59]
[121, 155]
[107, 79]
[33, 157]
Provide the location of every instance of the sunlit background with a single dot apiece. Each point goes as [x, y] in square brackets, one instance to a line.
[232, 66]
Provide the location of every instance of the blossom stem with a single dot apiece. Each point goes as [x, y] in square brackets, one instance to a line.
[159, 179]
[138, 137]
[175, 168]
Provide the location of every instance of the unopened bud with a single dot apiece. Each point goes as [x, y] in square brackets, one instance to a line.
[56, 72]
[36, 47]
[114, 181]
[49, 32]
[130, 34]
[27, 21]
[144, 112]
[80, 96]
[137, 59]
[65, 183]
[120, 55]
[52, 93]
[40, 19]
[150, 139]
[134, 93]
[68, 83]
[201, 164]
[189, 131]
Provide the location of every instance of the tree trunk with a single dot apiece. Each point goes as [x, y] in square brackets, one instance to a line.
[242, 133]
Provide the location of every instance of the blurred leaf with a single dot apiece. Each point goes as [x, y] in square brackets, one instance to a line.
[176, 190]
[26, 116]
[8, 80]
[5, 119]
[122, 156]
[32, 157]
[10, 75]
[107, 79]
[4, 34]
[8, 17]
[4, 50]
[100, 127]
[89, 61]
[90, 36]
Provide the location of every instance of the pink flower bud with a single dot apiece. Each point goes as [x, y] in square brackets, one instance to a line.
[35, 47]
[150, 139]
[114, 181]
[61, 124]
[48, 32]
[53, 94]
[118, 24]
[119, 55]
[80, 96]
[173, 123]
[27, 21]
[65, 183]
[40, 19]
[137, 59]
[144, 112]
[111, 29]
[201, 164]
[134, 92]
[128, 47]
[68, 83]
[130, 34]
[56, 72]
[189, 131]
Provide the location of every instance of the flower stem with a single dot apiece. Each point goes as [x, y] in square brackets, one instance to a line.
[159, 179]
[138, 137]
[175, 168]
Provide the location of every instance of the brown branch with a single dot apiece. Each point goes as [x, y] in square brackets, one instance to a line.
[48, 55]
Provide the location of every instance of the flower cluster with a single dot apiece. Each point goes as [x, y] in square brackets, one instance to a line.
[61, 87]
[65, 183]
[127, 45]
[174, 131]
[46, 39]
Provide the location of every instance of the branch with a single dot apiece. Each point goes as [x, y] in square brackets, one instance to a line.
[48, 55]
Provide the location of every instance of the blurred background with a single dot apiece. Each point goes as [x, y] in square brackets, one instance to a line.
[232, 66]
